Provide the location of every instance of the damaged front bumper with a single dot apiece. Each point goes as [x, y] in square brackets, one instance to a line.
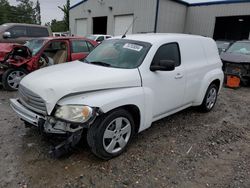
[47, 124]
[50, 125]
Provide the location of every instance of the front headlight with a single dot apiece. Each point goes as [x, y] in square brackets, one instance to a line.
[74, 113]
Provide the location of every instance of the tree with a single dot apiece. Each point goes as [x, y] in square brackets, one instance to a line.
[38, 13]
[56, 26]
[65, 10]
[26, 11]
[5, 10]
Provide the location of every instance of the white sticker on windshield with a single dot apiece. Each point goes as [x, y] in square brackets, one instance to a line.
[135, 47]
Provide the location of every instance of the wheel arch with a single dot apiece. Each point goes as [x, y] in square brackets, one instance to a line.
[217, 82]
[134, 112]
[214, 77]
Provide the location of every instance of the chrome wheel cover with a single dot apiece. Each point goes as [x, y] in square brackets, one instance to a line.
[14, 78]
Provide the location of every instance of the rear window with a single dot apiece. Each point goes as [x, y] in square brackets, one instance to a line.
[91, 47]
[79, 46]
[37, 32]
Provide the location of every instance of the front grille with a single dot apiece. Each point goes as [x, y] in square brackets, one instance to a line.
[31, 100]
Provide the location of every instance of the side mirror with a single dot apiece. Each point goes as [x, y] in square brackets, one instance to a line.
[6, 35]
[163, 65]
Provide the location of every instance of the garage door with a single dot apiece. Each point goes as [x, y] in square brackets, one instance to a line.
[81, 27]
[232, 28]
[122, 23]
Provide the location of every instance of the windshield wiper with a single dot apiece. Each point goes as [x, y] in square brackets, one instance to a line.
[100, 63]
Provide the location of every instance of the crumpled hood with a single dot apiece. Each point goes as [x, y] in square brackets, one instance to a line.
[6, 48]
[55, 82]
[235, 58]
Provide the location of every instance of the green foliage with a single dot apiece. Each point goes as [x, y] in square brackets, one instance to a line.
[61, 26]
[24, 12]
[38, 12]
[57, 26]
[5, 8]
[65, 10]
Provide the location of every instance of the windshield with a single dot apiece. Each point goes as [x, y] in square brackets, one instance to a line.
[119, 53]
[3, 27]
[240, 47]
[222, 44]
[35, 45]
[91, 37]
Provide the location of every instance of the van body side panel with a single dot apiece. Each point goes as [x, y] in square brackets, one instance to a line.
[194, 61]
[213, 69]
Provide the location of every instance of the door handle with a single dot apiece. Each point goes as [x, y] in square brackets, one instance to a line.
[178, 76]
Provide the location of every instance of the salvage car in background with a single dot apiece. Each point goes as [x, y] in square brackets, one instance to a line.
[223, 45]
[236, 61]
[99, 38]
[120, 89]
[20, 33]
[16, 61]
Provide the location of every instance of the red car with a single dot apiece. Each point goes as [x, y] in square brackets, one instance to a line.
[17, 60]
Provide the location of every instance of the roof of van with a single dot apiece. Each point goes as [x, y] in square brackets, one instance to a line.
[154, 38]
[22, 24]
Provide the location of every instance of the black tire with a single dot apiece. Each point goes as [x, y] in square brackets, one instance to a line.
[95, 135]
[6, 76]
[204, 107]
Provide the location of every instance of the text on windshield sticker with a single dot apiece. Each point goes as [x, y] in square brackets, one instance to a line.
[134, 47]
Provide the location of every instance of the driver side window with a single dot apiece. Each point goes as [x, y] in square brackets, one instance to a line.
[18, 31]
[168, 51]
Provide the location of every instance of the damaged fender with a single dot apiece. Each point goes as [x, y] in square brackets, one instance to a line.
[109, 99]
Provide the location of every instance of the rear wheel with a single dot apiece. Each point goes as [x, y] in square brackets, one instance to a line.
[12, 77]
[210, 98]
[109, 136]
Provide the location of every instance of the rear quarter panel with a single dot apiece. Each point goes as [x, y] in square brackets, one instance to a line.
[213, 68]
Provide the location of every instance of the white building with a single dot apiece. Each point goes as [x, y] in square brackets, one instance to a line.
[221, 19]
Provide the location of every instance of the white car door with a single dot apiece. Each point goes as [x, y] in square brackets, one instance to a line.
[168, 87]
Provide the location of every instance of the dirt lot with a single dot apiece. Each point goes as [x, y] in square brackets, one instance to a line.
[189, 149]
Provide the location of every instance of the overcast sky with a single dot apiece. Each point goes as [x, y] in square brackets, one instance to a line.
[50, 11]
[49, 8]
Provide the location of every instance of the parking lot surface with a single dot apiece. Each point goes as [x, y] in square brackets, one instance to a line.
[188, 149]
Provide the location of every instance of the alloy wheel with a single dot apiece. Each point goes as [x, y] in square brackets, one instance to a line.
[211, 98]
[14, 78]
[117, 135]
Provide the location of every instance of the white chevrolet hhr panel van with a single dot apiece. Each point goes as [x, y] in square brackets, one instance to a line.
[123, 86]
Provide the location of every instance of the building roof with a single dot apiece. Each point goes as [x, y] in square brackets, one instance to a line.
[219, 2]
[191, 4]
[80, 2]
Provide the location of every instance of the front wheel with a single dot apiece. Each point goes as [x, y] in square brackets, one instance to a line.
[210, 98]
[109, 136]
[12, 77]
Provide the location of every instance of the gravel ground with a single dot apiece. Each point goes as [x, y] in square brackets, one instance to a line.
[189, 149]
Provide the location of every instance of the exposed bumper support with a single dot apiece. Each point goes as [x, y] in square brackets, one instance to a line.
[43, 124]
[67, 145]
